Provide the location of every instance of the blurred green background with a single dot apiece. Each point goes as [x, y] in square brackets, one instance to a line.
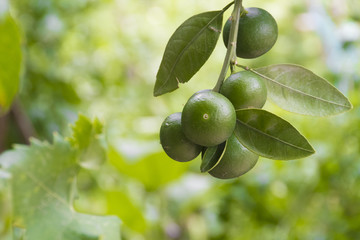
[100, 58]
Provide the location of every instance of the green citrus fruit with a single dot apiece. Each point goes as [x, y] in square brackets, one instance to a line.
[236, 160]
[245, 89]
[174, 142]
[257, 33]
[208, 118]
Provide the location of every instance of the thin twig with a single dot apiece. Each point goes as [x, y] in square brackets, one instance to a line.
[231, 45]
[23, 122]
[4, 120]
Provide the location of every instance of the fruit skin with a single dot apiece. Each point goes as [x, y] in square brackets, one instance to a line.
[236, 161]
[174, 142]
[245, 89]
[257, 33]
[208, 118]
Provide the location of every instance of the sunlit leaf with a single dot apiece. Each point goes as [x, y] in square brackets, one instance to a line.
[299, 90]
[10, 61]
[270, 136]
[187, 50]
[43, 190]
[83, 131]
[121, 205]
[154, 170]
[86, 137]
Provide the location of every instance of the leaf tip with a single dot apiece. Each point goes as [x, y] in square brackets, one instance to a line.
[310, 150]
[202, 169]
[313, 151]
[157, 93]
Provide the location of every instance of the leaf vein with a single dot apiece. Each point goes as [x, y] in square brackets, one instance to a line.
[46, 189]
[275, 138]
[298, 91]
[187, 47]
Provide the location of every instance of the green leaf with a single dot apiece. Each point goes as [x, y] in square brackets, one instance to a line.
[84, 131]
[43, 184]
[88, 140]
[10, 61]
[212, 157]
[187, 50]
[153, 171]
[299, 90]
[120, 204]
[270, 136]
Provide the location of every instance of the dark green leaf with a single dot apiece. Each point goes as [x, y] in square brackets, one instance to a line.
[187, 50]
[212, 157]
[299, 90]
[10, 61]
[270, 136]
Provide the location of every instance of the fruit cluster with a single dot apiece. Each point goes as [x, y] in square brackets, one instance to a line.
[208, 119]
[227, 125]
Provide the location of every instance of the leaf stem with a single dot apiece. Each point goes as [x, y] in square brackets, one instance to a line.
[230, 57]
[243, 67]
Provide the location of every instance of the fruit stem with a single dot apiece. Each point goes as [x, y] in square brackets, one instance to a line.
[252, 70]
[230, 57]
[243, 67]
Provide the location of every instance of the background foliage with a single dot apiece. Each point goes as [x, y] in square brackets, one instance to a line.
[100, 58]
